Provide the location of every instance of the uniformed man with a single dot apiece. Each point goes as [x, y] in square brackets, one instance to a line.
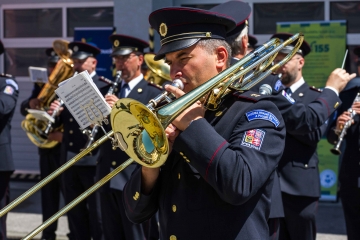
[349, 175]
[9, 92]
[49, 157]
[85, 218]
[217, 181]
[128, 55]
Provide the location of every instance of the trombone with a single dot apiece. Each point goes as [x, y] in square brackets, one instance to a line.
[139, 130]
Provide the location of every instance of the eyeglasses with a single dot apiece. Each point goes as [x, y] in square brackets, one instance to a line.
[124, 58]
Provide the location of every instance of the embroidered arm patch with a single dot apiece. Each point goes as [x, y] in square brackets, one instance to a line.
[9, 90]
[253, 139]
[260, 114]
[277, 85]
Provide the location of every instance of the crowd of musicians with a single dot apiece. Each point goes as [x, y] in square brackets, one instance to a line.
[245, 170]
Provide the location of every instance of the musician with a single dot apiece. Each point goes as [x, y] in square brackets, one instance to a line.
[128, 55]
[349, 175]
[217, 180]
[84, 219]
[49, 158]
[9, 93]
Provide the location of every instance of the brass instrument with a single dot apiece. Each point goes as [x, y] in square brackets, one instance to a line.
[33, 126]
[139, 129]
[159, 71]
[344, 128]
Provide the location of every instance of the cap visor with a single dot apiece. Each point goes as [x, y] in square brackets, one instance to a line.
[121, 51]
[80, 55]
[175, 46]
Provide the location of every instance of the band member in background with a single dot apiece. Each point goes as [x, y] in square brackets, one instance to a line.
[9, 93]
[85, 218]
[251, 43]
[349, 175]
[216, 182]
[49, 157]
[128, 55]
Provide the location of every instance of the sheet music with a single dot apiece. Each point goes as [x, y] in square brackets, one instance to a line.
[42, 115]
[83, 99]
[38, 74]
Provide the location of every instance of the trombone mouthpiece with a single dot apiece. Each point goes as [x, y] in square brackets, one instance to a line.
[178, 83]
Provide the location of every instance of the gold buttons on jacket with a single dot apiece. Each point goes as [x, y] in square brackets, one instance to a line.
[136, 196]
[219, 113]
[173, 237]
[113, 163]
[336, 104]
[301, 94]
[71, 119]
[174, 208]
[179, 175]
[139, 90]
[71, 132]
[181, 153]
[70, 143]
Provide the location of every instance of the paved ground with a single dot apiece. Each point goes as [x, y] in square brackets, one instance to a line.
[26, 217]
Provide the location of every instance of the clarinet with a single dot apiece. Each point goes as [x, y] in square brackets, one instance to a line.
[91, 134]
[336, 149]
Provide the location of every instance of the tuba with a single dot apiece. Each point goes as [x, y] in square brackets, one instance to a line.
[138, 129]
[36, 128]
[159, 71]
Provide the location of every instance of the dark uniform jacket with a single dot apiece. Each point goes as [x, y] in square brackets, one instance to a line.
[350, 164]
[298, 167]
[9, 92]
[110, 159]
[73, 138]
[25, 105]
[216, 183]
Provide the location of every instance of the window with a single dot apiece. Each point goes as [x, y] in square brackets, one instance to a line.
[89, 17]
[349, 11]
[31, 23]
[18, 60]
[267, 14]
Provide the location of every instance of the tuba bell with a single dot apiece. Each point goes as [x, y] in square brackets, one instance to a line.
[37, 128]
[159, 71]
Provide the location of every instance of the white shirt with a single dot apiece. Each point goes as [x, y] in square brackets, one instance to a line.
[132, 84]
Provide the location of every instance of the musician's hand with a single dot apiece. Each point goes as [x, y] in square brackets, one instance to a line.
[356, 107]
[53, 106]
[342, 119]
[34, 103]
[55, 136]
[194, 112]
[339, 78]
[111, 99]
[171, 134]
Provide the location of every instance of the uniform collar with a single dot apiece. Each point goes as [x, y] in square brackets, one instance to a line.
[133, 82]
[92, 74]
[296, 85]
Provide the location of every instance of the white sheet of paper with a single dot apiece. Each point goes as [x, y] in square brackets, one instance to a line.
[42, 115]
[38, 74]
[83, 99]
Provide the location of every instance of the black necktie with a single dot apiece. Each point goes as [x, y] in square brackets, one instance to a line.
[123, 90]
[288, 91]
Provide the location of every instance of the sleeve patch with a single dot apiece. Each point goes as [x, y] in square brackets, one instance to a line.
[9, 90]
[253, 139]
[277, 85]
[290, 99]
[12, 83]
[260, 114]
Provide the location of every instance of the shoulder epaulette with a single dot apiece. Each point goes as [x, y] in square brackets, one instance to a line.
[5, 75]
[250, 95]
[106, 80]
[316, 89]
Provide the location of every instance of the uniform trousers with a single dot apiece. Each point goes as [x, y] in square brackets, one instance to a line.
[50, 193]
[84, 218]
[274, 228]
[4, 199]
[299, 221]
[116, 225]
[350, 199]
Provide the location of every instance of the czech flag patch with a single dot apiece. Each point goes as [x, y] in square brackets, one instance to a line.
[253, 138]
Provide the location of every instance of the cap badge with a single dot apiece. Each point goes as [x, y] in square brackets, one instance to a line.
[163, 29]
[116, 43]
[76, 48]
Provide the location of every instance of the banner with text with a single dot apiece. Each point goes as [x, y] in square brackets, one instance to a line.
[327, 40]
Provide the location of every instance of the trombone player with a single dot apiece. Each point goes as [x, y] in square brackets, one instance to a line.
[217, 180]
